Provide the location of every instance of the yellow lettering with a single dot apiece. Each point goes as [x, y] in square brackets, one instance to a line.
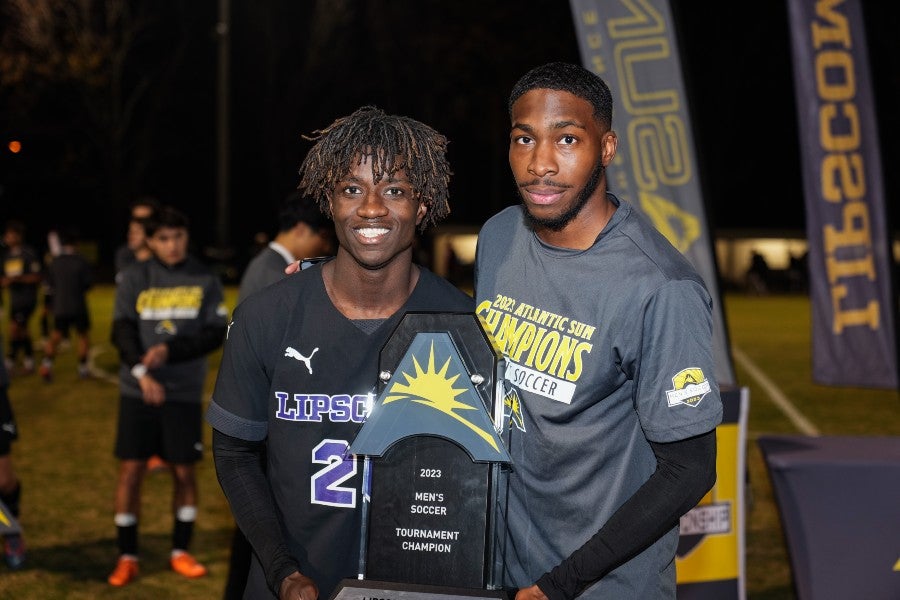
[829, 138]
[504, 303]
[855, 232]
[838, 269]
[535, 345]
[184, 297]
[837, 30]
[643, 20]
[590, 17]
[847, 318]
[578, 361]
[598, 64]
[504, 329]
[659, 151]
[629, 58]
[563, 356]
[546, 351]
[843, 177]
[581, 330]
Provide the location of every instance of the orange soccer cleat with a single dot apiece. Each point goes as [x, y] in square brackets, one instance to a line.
[186, 565]
[156, 464]
[125, 572]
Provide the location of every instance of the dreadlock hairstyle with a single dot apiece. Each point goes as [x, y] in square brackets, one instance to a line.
[567, 77]
[391, 143]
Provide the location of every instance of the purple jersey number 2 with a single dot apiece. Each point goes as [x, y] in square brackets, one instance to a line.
[326, 488]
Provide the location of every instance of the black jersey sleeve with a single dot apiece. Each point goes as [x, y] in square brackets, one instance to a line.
[239, 468]
[127, 340]
[125, 334]
[202, 343]
[685, 471]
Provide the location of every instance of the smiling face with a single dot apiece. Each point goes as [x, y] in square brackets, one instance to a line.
[375, 223]
[558, 153]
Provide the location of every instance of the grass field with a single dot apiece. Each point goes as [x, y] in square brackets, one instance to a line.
[64, 458]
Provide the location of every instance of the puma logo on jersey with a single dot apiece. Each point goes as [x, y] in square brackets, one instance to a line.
[304, 359]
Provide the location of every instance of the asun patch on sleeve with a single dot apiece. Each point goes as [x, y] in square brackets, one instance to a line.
[690, 386]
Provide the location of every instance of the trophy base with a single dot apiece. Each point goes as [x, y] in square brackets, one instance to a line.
[365, 589]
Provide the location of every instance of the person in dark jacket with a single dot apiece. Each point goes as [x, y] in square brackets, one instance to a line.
[169, 313]
[70, 277]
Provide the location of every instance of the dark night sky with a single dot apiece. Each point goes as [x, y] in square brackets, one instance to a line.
[737, 73]
[451, 65]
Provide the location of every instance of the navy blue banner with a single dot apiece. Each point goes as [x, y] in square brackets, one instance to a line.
[853, 309]
[631, 44]
[816, 480]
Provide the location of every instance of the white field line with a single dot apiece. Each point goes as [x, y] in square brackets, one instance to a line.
[775, 394]
[96, 372]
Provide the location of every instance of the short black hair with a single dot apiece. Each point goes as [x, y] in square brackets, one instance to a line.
[298, 208]
[567, 77]
[394, 142]
[166, 216]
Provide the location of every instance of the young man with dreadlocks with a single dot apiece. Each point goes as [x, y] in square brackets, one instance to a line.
[300, 363]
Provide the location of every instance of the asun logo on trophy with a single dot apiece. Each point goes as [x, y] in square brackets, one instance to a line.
[431, 394]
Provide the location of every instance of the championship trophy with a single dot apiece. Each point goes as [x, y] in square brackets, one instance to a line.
[433, 464]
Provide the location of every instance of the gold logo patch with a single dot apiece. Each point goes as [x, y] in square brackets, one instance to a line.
[689, 387]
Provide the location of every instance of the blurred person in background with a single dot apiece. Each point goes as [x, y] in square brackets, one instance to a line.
[135, 247]
[303, 232]
[53, 250]
[22, 275]
[70, 277]
[169, 314]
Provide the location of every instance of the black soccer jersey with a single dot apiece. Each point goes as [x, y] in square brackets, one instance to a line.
[169, 303]
[22, 261]
[69, 276]
[297, 373]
